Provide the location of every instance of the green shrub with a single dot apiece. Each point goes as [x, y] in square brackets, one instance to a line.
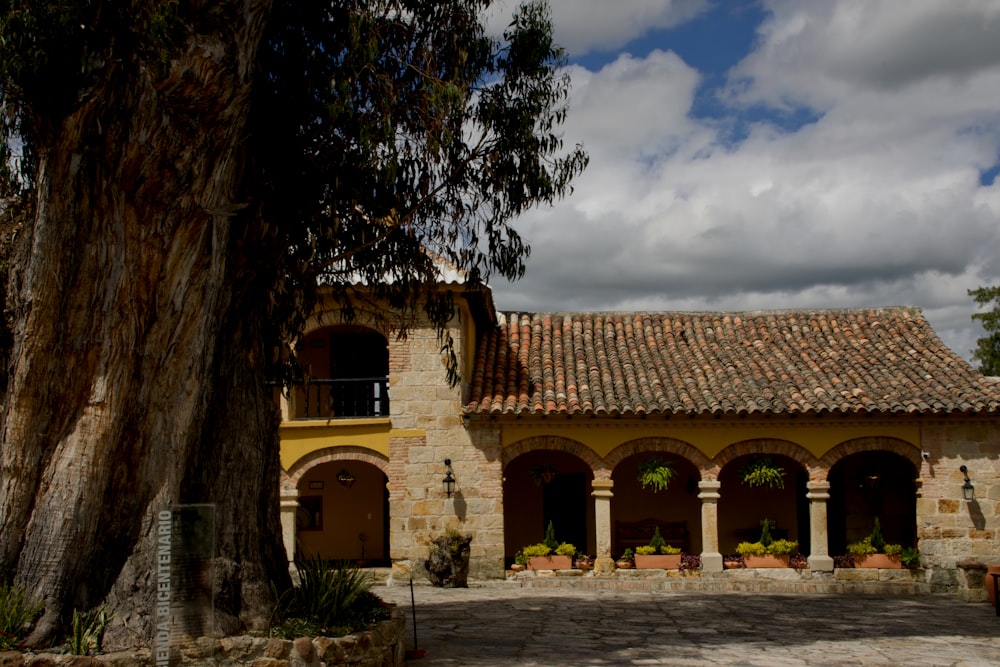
[657, 540]
[751, 549]
[533, 550]
[17, 611]
[645, 551]
[876, 538]
[332, 599]
[862, 548]
[566, 549]
[520, 558]
[86, 636]
[669, 550]
[782, 547]
[550, 537]
[874, 544]
[765, 532]
[628, 554]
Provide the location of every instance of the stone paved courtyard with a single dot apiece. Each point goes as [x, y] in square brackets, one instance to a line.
[505, 624]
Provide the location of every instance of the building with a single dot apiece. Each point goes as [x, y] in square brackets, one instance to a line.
[865, 410]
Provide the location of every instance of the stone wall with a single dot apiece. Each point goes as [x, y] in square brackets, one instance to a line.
[382, 646]
[952, 530]
[419, 511]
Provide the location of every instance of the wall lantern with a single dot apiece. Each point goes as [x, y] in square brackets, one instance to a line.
[968, 491]
[448, 483]
[345, 478]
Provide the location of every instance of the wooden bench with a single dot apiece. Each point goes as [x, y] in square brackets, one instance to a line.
[632, 534]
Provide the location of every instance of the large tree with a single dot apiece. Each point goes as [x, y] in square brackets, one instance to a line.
[987, 351]
[178, 177]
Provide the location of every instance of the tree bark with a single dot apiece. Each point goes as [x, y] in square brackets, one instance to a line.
[136, 376]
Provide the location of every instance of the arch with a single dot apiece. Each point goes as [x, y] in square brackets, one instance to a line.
[905, 449]
[558, 444]
[817, 471]
[872, 483]
[290, 479]
[706, 468]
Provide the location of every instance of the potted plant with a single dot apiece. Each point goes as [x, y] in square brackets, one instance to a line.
[447, 563]
[550, 554]
[874, 552]
[520, 561]
[762, 472]
[583, 562]
[543, 474]
[767, 552]
[657, 554]
[624, 561]
[656, 474]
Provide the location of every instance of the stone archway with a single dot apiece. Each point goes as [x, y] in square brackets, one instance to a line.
[742, 508]
[340, 508]
[548, 479]
[873, 478]
[635, 512]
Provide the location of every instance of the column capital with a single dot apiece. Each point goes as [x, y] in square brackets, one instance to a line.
[602, 488]
[709, 490]
[818, 490]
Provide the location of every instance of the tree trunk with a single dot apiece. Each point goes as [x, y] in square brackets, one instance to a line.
[136, 373]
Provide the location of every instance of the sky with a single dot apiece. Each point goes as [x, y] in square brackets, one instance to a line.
[774, 154]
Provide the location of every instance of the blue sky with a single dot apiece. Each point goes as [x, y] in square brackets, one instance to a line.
[773, 154]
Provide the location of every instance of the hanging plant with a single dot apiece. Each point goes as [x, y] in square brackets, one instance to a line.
[656, 473]
[543, 474]
[764, 473]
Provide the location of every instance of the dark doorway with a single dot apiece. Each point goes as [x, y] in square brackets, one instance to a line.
[561, 502]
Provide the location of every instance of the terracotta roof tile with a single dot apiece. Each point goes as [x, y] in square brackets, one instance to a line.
[634, 363]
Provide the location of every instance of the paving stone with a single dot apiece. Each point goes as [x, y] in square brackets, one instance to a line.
[502, 623]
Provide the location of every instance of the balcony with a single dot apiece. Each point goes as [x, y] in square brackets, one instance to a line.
[337, 399]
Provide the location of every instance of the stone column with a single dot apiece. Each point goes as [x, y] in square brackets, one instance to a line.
[819, 557]
[289, 506]
[711, 559]
[602, 529]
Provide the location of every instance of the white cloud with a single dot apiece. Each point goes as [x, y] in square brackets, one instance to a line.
[877, 202]
[582, 26]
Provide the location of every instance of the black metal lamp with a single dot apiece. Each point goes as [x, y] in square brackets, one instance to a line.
[449, 479]
[968, 491]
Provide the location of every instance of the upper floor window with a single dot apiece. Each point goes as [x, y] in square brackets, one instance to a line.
[345, 374]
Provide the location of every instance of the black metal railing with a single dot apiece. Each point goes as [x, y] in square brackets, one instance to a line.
[341, 399]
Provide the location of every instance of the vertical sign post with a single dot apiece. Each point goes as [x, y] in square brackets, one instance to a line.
[185, 595]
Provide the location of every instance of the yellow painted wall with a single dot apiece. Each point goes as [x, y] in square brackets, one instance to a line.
[818, 436]
[301, 438]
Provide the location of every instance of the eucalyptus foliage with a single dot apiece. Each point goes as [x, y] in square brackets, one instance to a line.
[386, 136]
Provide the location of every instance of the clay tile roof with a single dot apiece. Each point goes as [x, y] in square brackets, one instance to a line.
[885, 360]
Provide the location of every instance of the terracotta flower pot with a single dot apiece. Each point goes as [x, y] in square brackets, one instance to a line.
[988, 582]
[517, 567]
[550, 563]
[880, 561]
[767, 560]
[623, 564]
[658, 562]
